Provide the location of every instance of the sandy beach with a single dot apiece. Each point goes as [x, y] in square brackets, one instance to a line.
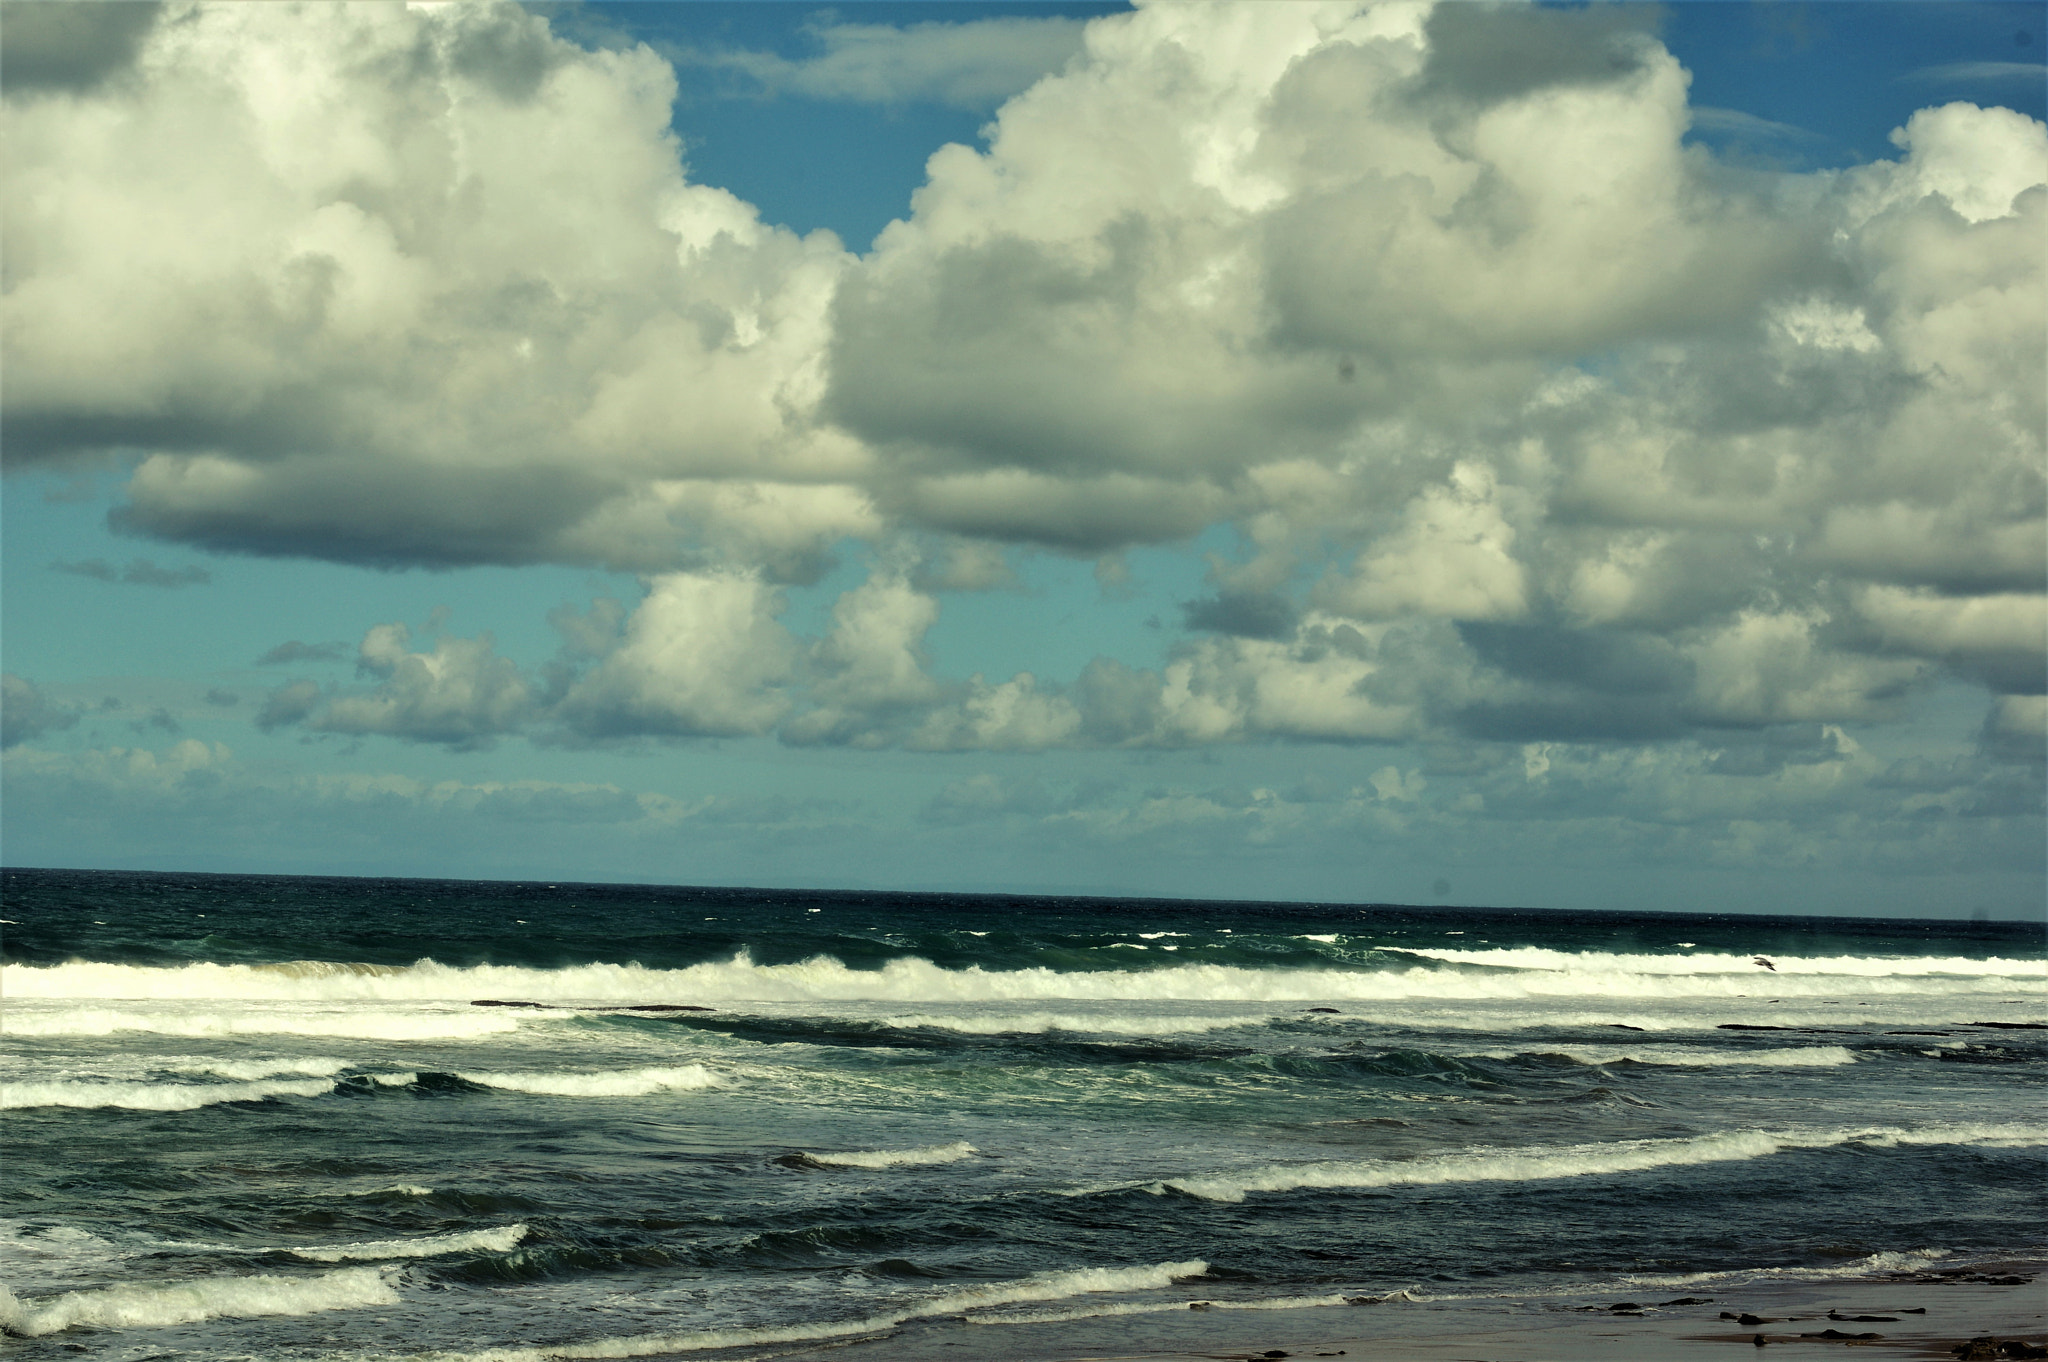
[1798, 1319]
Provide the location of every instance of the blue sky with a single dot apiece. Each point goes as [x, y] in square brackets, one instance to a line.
[1509, 455]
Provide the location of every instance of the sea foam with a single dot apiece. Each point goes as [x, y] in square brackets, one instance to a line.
[1039, 1023]
[1890, 967]
[894, 1158]
[154, 1096]
[133, 1307]
[1045, 1286]
[428, 1246]
[209, 1021]
[1573, 1161]
[1503, 975]
[618, 1083]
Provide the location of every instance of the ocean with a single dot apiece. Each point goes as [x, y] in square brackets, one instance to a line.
[273, 1117]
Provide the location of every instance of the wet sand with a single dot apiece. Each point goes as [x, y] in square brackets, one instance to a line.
[1530, 1329]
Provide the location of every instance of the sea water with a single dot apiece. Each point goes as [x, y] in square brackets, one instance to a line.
[268, 1117]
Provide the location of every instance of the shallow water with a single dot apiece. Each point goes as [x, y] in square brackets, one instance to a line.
[256, 1116]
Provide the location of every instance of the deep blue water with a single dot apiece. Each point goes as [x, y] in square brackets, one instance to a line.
[265, 1116]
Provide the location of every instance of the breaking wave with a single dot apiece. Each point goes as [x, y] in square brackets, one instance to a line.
[132, 1307]
[285, 1021]
[1572, 1161]
[1039, 1023]
[1887, 967]
[154, 1096]
[619, 1083]
[429, 1246]
[1452, 975]
[895, 1158]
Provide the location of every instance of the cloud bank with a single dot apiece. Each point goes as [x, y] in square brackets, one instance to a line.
[1539, 424]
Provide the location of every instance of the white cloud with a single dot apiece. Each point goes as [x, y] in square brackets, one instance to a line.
[971, 65]
[461, 693]
[1436, 295]
[1452, 556]
[703, 655]
[25, 712]
[1767, 667]
[2003, 639]
[872, 666]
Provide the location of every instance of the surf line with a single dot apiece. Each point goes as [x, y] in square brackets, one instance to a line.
[592, 1007]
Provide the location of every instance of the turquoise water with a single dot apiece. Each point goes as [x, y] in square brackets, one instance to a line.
[266, 1117]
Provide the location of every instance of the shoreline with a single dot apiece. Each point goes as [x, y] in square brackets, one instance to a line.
[1921, 1314]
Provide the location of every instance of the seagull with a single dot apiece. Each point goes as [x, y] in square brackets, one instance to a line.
[1767, 964]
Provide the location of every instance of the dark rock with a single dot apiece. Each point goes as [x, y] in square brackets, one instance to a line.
[1625, 1305]
[2012, 1026]
[1728, 1314]
[1620, 1026]
[1274, 1352]
[1746, 1318]
[1759, 1340]
[1919, 1033]
[1983, 1348]
[1695, 1300]
[2008, 1281]
[2016, 1348]
[1840, 1318]
[1331, 1010]
[1745, 1026]
[1837, 1333]
[1201, 1305]
[495, 1002]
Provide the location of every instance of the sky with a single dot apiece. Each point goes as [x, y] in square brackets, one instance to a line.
[1551, 456]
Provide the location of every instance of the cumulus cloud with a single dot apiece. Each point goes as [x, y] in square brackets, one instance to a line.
[703, 655]
[1538, 421]
[25, 712]
[460, 694]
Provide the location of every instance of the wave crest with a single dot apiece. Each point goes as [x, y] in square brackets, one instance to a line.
[896, 1158]
[619, 1083]
[132, 1307]
[1572, 1161]
[1503, 975]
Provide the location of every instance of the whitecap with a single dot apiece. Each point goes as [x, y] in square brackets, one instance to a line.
[1586, 1160]
[154, 1096]
[131, 1307]
[617, 1083]
[1038, 1023]
[311, 991]
[893, 1158]
[496, 1240]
